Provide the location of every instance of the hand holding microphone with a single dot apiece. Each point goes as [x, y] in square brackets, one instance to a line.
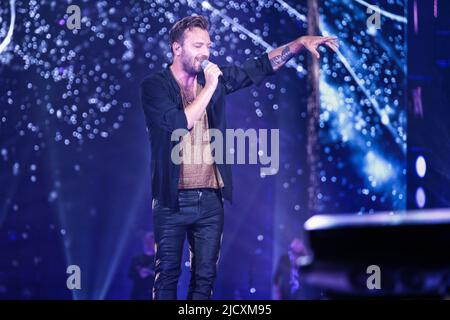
[212, 73]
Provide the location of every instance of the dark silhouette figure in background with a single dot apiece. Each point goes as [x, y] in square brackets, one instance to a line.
[142, 270]
[286, 277]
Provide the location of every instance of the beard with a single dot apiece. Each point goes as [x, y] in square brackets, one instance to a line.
[191, 66]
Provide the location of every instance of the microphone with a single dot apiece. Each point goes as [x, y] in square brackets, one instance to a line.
[204, 64]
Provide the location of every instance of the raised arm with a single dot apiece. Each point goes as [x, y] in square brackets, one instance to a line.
[279, 56]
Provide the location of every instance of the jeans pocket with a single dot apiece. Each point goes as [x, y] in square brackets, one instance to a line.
[215, 196]
[158, 208]
[213, 205]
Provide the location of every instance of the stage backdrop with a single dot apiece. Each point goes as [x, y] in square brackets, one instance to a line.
[74, 150]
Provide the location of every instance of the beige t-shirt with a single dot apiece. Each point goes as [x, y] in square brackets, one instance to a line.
[197, 168]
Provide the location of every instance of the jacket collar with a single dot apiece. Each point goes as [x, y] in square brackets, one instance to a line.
[173, 81]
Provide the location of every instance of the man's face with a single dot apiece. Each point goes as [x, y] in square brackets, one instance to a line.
[194, 49]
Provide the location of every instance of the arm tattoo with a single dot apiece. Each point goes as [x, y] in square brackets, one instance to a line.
[280, 59]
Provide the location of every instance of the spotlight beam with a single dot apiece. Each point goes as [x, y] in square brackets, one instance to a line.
[8, 37]
[292, 11]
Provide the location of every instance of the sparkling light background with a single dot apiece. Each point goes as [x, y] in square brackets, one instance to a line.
[74, 153]
[363, 109]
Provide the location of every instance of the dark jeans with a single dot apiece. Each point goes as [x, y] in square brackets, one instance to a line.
[201, 218]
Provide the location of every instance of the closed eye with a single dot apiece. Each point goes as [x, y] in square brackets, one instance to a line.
[199, 45]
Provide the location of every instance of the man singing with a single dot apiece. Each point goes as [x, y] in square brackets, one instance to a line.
[188, 196]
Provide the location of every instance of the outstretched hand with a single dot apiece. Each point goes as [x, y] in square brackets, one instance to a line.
[311, 43]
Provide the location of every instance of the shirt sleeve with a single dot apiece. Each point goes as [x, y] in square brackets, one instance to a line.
[252, 71]
[159, 110]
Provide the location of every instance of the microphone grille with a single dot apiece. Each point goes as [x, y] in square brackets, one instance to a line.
[204, 64]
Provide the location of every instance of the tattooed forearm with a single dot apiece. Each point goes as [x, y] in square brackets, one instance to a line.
[279, 56]
[280, 59]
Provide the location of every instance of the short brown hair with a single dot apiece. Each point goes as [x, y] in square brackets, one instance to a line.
[176, 34]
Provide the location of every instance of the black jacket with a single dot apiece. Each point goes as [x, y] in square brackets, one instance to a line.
[163, 109]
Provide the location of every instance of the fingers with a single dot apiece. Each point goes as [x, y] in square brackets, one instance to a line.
[324, 41]
[334, 42]
[328, 39]
[333, 46]
[314, 42]
[210, 66]
[218, 71]
[331, 42]
[214, 69]
[313, 51]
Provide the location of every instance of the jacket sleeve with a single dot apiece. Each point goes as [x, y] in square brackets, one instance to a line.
[252, 71]
[159, 109]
